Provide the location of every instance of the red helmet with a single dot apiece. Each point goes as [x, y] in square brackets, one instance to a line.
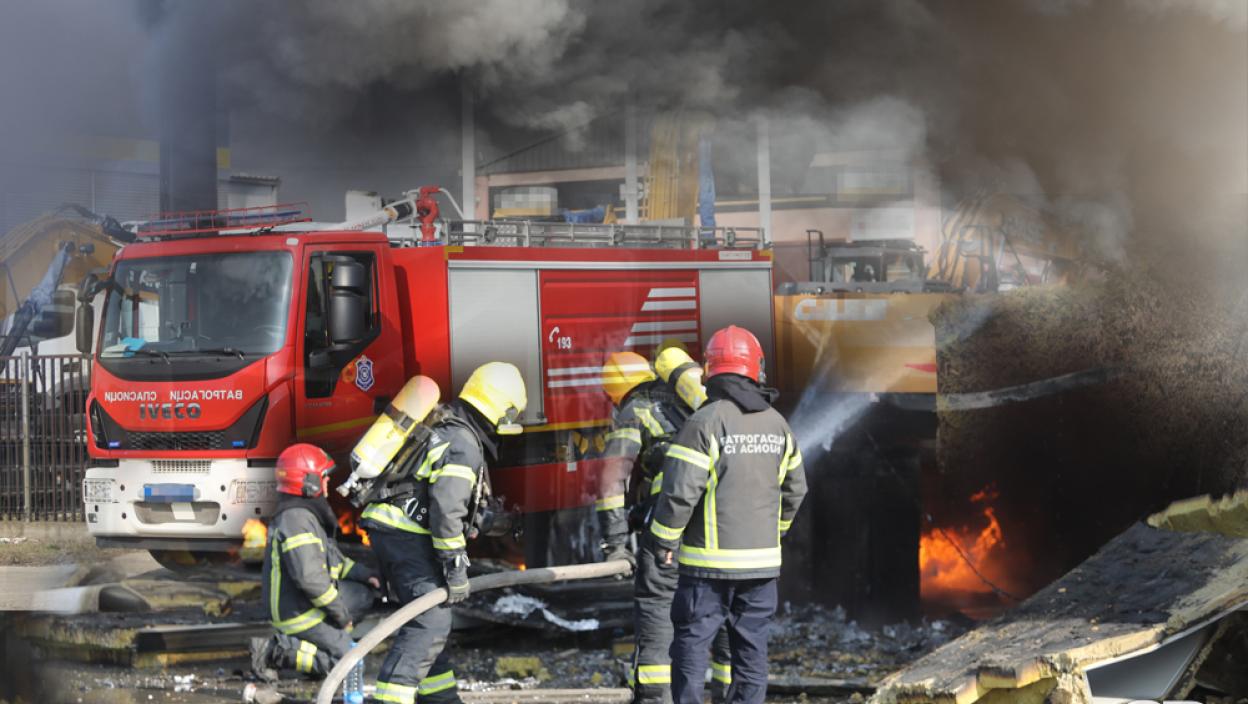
[734, 350]
[302, 470]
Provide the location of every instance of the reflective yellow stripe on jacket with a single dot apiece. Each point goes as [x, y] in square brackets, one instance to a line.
[609, 503]
[298, 541]
[329, 595]
[691, 456]
[729, 559]
[652, 425]
[457, 542]
[433, 455]
[342, 569]
[792, 459]
[663, 532]
[459, 471]
[710, 516]
[296, 624]
[393, 516]
[625, 434]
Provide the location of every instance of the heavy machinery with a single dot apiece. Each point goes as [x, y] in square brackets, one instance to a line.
[860, 323]
[856, 356]
[43, 262]
[222, 341]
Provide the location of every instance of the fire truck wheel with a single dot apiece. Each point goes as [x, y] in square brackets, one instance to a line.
[186, 560]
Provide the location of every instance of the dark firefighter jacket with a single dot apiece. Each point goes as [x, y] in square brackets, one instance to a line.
[643, 427]
[303, 565]
[446, 472]
[732, 482]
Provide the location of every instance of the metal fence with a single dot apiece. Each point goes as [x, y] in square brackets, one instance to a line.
[43, 429]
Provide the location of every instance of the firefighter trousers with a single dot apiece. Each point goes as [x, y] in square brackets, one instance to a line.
[316, 650]
[416, 663]
[700, 608]
[653, 589]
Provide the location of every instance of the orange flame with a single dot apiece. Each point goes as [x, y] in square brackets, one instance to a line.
[255, 534]
[348, 526]
[945, 568]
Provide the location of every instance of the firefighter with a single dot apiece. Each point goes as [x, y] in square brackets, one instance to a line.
[314, 594]
[419, 534]
[648, 413]
[732, 482]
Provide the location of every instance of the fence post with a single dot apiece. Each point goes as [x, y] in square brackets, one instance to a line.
[24, 380]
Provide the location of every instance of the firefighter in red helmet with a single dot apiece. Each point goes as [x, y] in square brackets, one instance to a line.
[313, 593]
[732, 482]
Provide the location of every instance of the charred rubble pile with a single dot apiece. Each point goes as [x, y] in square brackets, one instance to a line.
[1126, 392]
[808, 644]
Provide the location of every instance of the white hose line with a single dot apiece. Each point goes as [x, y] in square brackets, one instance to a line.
[395, 621]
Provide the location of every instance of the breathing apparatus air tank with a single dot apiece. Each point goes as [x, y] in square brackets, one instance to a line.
[684, 375]
[390, 433]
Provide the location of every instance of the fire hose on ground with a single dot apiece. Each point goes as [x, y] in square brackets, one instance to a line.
[395, 621]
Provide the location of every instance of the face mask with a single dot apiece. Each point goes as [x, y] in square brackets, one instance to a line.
[507, 425]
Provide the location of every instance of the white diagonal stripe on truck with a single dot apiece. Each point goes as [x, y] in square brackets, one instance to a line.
[671, 293]
[663, 326]
[635, 340]
[669, 305]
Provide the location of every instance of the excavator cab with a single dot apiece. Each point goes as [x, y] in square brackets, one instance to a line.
[870, 266]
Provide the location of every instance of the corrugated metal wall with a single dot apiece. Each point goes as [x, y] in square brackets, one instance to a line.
[27, 192]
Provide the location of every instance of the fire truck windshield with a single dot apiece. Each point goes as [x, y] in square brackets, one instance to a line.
[223, 305]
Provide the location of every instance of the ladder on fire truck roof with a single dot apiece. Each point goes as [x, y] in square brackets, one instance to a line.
[419, 209]
[536, 233]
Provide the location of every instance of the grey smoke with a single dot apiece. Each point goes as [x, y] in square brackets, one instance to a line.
[1128, 114]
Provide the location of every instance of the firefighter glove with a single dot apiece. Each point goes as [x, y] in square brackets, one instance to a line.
[618, 551]
[456, 571]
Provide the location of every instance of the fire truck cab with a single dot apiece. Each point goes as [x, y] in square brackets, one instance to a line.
[218, 349]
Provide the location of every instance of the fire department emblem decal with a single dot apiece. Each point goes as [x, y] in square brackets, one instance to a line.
[364, 373]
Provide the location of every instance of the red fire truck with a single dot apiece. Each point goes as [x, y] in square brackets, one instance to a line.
[220, 345]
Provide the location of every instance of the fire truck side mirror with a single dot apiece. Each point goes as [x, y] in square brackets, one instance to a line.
[348, 302]
[84, 327]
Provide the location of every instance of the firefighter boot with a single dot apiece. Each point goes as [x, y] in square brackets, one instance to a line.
[261, 659]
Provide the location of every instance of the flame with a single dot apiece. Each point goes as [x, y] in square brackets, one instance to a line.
[348, 526]
[255, 534]
[945, 568]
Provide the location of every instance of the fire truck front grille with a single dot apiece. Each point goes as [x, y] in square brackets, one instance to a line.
[182, 466]
[211, 440]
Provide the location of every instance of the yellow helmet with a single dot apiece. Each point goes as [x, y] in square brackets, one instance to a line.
[678, 369]
[496, 389]
[622, 372]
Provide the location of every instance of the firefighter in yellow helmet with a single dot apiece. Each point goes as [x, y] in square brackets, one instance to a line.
[648, 414]
[420, 534]
[627, 378]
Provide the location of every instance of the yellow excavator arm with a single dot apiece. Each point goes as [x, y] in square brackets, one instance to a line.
[53, 250]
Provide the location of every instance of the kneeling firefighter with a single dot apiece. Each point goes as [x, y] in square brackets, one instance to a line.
[649, 412]
[314, 594]
[421, 509]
